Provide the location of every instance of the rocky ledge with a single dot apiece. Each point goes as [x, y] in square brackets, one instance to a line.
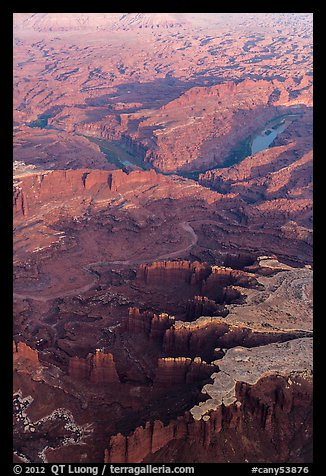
[248, 365]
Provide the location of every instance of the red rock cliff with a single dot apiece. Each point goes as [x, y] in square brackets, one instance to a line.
[200, 337]
[148, 323]
[60, 185]
[25, 355]
[202, 306]
[98, 368]
[163, 271]
[270, 422]
[182, 370]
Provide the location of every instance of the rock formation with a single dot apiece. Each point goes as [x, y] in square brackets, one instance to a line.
[274, 395]
[214, 282]
[25, 356]
[219, 284]
[148, 323]
[60, 150]
[39, 188]
[190, 74]
[98, 368]
[198, 338]
[212, 116]
[166, 271]
[202, 306]
[230, 220]
[181, 370]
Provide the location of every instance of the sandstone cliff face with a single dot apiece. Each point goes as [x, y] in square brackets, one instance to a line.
[19, 202]
[220, 124]
[203, 306]
[240, 226]
[276, 183]
[25, 355]
[200, 337]
[238, 260]
[148, 323]
[180, 102]
[219, 284]
[31, 191]
[181, 370]
[259, 427]
[98, 368]
[167, 271]
[212, 280]
[283, 171]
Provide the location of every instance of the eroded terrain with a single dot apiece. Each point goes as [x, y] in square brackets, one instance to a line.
[162, 265]
[110, 286]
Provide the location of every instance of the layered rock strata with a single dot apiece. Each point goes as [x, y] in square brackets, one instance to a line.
[222, 221]
[256, 406]
[213, 116]
[248, 365]
[23, 355]
[203, 306]
[198, 338]
[148, 323]
[61, 184]
[215, 282]
[98, 368]
[168, 271]
[181, 370]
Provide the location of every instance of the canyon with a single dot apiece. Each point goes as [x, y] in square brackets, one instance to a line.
[163, 268]
[124, 329]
